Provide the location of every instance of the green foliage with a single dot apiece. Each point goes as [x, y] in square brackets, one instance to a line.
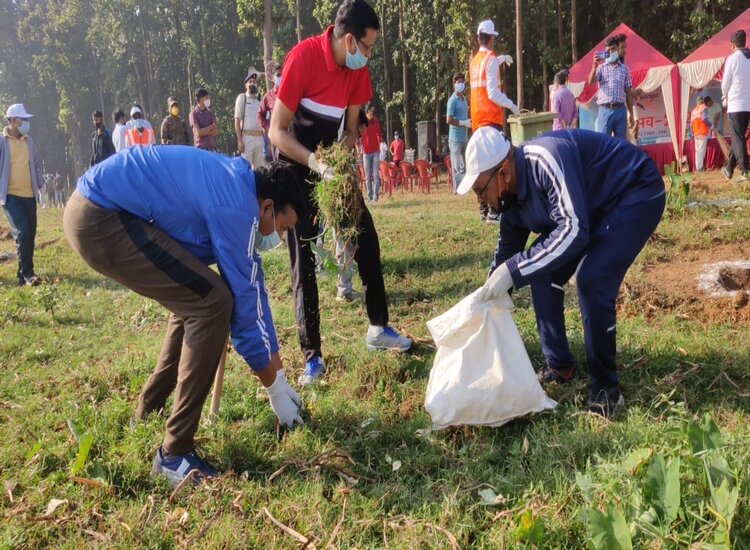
[608, 531]
[529, 528]
[704, 436]
[679, 188]
[48, 297]
[657, 498]
[661, 491]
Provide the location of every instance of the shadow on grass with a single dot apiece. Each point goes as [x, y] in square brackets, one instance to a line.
[426, 264]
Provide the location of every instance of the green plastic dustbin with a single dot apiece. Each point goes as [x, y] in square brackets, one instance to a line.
[527, 126]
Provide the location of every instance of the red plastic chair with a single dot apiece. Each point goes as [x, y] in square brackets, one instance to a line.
[449, 166]
[385, 178]
[395, 175]
[410, 176]
[425, 174]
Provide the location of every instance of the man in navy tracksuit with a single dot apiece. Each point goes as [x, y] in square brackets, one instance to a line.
[594, 201]
[154, 219]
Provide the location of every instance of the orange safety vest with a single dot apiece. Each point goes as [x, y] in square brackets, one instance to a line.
[134, 137]
[700, 128]
[483, 111]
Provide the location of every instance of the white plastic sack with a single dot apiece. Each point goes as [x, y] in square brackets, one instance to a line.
[482, 374]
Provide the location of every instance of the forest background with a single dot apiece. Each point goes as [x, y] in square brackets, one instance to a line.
[65, 59]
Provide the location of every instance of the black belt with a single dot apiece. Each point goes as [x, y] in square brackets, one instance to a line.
[611, 105]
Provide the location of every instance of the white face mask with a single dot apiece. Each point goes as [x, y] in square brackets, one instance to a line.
[207, 103]
[277, 80]
[268, 242]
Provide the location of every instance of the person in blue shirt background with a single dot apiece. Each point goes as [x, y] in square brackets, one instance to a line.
[154, 219]
[458, 119]
[593, 201]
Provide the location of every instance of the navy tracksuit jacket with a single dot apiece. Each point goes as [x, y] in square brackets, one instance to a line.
[594, 201]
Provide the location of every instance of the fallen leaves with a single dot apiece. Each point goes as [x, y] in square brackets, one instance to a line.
[54, 504]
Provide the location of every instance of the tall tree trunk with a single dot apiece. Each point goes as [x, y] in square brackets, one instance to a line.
[545, 74]
[438, 86]
[405, 75]
[299, 20]
[573, 32]
[560, 38]
[386, 74]
[267, 39]
[147, 58]
[519, 53]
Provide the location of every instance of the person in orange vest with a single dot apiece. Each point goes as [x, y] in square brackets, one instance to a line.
[701, 124]
[488, 102]
[139, 131]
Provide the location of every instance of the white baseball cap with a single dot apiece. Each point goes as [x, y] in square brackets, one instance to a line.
[134, 109]
[487, 27]
[17, 110]
[487, 148]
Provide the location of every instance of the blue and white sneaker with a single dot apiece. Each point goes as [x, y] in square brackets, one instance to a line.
[176, 468]
[386, 338]
[314, 370]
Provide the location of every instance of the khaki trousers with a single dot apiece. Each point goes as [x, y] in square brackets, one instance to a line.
[148, 261]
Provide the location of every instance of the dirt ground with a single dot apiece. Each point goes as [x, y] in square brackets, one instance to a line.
[673, 284]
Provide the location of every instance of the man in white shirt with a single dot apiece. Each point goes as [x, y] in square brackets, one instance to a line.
[247, 128]
[118, 134]
[735, 94]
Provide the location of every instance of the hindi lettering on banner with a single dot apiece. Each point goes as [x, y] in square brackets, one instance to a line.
[653, 126]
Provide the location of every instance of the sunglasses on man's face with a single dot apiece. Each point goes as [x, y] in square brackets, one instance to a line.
[480, 193]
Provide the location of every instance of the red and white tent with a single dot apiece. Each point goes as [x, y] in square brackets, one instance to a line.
[650, 70]
[706, 63]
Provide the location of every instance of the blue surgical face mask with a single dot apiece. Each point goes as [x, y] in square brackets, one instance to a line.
[614, 57]
[139, 124]
[460, 87]
[268, 242]
[24, 127]
[355, 61]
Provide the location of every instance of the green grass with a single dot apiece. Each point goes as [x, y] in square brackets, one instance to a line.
[88, 363]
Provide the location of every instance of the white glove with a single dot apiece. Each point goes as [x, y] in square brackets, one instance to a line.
[498, 285]
[515, 110]
[508, 60]
[284, 401]
[465, 123]
[325, 171]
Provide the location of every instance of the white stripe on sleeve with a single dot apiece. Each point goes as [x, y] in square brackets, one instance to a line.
[571, 228]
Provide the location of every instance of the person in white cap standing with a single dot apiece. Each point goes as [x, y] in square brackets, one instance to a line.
[488, 102]
[21, 187]
[140, 131]
[593, 201]
[247, 127]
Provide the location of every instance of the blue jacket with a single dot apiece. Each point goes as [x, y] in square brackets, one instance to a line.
[206, 202]
[567, 181]
[37, 180]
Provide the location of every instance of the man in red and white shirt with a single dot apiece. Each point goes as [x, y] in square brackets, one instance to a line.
[325, 82]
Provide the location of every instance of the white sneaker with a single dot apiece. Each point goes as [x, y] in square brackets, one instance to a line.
[386, 338]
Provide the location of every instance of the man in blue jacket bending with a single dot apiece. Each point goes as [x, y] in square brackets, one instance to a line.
[593, 201]
[153, 219]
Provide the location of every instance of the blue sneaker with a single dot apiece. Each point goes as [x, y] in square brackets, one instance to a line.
[314, 369]
[176, 468]
[386, 338]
